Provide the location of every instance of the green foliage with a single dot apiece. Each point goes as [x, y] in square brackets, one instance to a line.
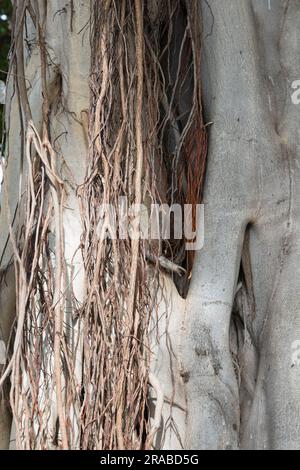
[5, 31]
[5, 9]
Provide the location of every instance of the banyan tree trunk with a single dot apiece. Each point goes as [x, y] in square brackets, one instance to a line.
[122, 343]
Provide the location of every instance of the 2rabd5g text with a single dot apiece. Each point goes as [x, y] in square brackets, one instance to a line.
[150, 459]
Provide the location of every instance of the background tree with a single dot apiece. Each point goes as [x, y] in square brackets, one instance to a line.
[5, 36]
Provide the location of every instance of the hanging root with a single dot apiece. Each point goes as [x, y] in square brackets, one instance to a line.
[166, 264]
[155, 384]
[147, 143]
[136, 103]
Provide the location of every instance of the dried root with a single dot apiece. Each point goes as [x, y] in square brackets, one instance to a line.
[147, 142]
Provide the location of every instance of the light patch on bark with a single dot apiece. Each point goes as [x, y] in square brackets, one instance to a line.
[2, 353]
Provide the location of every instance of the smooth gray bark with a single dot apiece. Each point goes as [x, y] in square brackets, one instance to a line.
[250, 62]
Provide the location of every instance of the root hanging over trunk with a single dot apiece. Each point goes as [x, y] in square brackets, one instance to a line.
[80, 370]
